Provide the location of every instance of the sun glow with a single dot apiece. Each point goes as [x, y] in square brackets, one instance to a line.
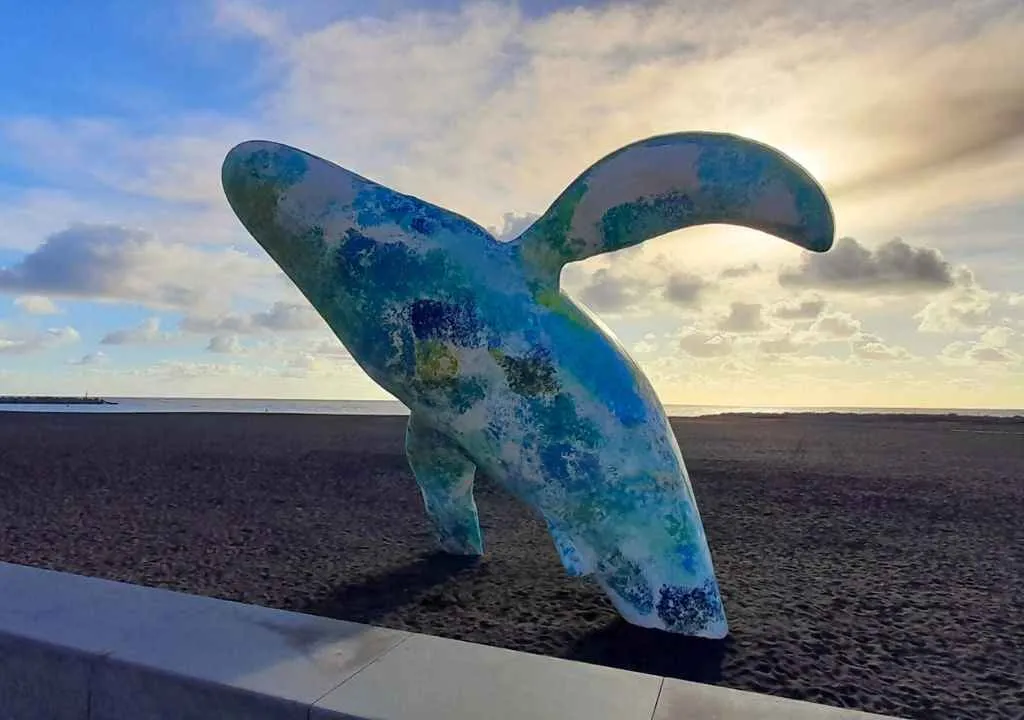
[810, 159]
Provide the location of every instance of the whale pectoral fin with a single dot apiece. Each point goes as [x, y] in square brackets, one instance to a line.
[445, 477]
[572, 559]
[671, 182]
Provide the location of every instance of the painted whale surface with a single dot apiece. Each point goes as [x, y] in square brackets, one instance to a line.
[503, 372]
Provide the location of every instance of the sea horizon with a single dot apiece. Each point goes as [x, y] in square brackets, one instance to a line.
[306, 406]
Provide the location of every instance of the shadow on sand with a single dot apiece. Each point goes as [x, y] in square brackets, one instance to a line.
[616, 644]
[628, 647]
[376, 597]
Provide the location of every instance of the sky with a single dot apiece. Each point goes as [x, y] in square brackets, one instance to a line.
[123, 271]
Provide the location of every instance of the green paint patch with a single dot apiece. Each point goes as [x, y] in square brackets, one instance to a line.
[547, 246]
[436, 364]
[529, 375]
[553, 300]
[633, 222]
[255, 202]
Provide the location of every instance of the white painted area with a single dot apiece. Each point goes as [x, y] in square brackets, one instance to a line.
[77, 648]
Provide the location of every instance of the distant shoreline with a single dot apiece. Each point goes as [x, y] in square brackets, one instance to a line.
[908, 415]
[51, 400]
[796, 416]
[271, 406]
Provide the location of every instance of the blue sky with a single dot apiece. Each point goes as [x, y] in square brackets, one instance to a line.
[122, 271]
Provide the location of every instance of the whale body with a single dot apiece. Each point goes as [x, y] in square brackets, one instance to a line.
[501, 371]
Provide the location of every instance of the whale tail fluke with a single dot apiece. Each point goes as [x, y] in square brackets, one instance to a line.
[671, 182]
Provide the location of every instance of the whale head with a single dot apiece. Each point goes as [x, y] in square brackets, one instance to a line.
[330, 228]
[362, 254]
[268, 187]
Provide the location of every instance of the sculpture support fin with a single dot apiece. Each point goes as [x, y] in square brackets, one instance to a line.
[671, 182]
[445, 477]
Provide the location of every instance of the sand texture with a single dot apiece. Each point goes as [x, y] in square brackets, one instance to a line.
[866, 562]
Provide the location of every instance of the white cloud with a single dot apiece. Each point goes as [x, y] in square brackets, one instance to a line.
[802, 309]
[27, 342]
[147, 333]
[997, 337]
[607, 291]
[225, 345]
[110, 262]
[966, 308]
[281, 317]
[36, 305]
[91, 359]
[705, 345]
[837, 325]
[971, 353]
[181, 166]
[510, 108]
[784, 345]
[512, 225]
[871, 347]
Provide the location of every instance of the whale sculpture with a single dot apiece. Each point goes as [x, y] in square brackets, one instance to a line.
[501, 371]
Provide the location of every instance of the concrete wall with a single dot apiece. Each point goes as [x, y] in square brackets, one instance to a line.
[77, 648]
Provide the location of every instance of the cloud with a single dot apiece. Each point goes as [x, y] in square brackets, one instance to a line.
[225, 345]
[685, 289]
[992, 354]
[634, 285]
[181, 165]
[743, 317]
[512, 225]
[110, 262]
[837, 325]
[25, 343]
[739, 271]
[647, 345]
[895, 267]
[147, 333]
[287, 317]
[89, 359]
[36, 305]
[249, 19]
[967, 308]
[606, 292]
[705, 345]
[309, 365]
[970, 353]
[871, 347]
[281, 317]
[806, 309]
[785, 345]
[511, 106]
[998, 337]
[982, 116]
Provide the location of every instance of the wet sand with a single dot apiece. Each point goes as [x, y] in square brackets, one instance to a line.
[869, 562]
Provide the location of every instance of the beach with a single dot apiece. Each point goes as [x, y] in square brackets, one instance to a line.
[871, 562]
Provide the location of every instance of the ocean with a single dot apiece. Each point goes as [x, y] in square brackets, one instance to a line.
[393, 407]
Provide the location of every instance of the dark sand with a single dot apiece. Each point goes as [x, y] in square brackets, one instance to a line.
[866, 562]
